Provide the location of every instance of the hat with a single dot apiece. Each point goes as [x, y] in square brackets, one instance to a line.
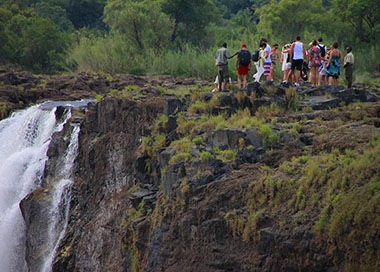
[243, 45]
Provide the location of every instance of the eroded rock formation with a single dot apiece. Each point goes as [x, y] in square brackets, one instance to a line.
[132, 211]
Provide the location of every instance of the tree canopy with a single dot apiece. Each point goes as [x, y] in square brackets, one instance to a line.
[363, 17]
[191, 19]
[41, 35]
[142, 22]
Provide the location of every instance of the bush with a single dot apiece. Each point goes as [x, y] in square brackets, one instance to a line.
[38, 44]
[106, 54]
[205, 156]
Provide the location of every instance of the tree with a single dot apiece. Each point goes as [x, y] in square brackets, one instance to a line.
[15, 5]
[5, 16]
[191, 19]
[362, 15]
[54, 12]
[286, 19]
[142, 22]
[229, 8]
[36, 43]
[86, 13]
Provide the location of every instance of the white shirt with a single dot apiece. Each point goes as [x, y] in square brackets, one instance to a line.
[267, 49]
[298, 51]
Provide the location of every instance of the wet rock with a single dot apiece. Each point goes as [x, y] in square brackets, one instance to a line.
[34, 208]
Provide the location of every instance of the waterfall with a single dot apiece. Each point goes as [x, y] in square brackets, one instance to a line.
[60, 206]
[24, 141]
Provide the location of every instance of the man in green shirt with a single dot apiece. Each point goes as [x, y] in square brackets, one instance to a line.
[221, 61]
[348, 63]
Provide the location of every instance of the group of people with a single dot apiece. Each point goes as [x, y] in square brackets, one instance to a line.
[323, 63]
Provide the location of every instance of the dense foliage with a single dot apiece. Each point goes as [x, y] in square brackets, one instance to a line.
[176, 37]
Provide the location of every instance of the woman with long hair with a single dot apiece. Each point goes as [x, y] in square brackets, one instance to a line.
[314, 54]
[333, 64]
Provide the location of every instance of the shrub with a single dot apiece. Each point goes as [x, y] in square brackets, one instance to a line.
[150, 145]
[99, 97]
[197, 140]
[228, 155]
[180, 157]
[242, 119]
[269, 137]
[199, 107]
[205, 156]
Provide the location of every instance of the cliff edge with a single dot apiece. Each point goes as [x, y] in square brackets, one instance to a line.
[268, 179]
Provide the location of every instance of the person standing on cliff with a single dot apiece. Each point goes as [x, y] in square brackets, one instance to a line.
[243, 65]
[333, 65]
[274, 57]
[221, 61]
[267, 60]
[348, 63]
[259, 63]
[297, 54]
[322, 68]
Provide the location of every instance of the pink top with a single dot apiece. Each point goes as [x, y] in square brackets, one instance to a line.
[314, 56]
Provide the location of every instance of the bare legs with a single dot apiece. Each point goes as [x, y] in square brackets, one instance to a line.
[314, 76]
[244, 81]
[333, 80]
[239, 81]
[294, 76]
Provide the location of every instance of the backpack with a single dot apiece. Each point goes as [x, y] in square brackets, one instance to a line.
[256, 55]
[244, 57]
[323, 50]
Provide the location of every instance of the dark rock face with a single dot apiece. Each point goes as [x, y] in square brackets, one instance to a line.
[107, 168]
[327, 97]
[132, 212]
[196, 238]
[34, 209]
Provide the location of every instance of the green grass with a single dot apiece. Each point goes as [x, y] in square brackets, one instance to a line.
[111, 54]
[4, 109]
[343, 186]
[228, 155]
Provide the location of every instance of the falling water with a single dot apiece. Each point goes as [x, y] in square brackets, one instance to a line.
[24, 141]
[59, 210]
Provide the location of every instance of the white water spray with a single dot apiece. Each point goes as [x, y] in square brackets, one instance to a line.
[24, 141]
[59, 211]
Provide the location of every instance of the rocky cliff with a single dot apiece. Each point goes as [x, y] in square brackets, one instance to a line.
[297, 191]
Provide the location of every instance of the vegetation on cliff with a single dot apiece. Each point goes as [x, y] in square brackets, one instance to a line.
[329, 189]
[258, 179]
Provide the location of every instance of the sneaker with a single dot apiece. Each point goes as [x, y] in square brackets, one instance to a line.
[296, 84]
